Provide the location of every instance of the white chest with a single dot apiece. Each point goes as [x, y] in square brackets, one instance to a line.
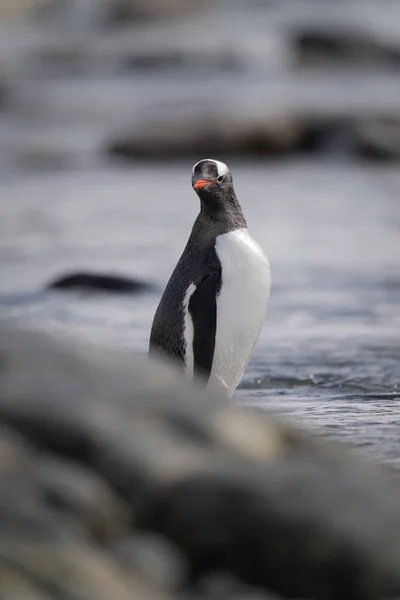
[241, 305]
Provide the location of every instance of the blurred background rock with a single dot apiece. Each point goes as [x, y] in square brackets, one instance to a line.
[85, 79]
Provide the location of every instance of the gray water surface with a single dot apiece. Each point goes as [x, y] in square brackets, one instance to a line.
[329, 355]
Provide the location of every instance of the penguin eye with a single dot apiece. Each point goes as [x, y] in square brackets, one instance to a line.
[220, 178]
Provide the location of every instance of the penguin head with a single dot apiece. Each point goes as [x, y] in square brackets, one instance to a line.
[211, 179]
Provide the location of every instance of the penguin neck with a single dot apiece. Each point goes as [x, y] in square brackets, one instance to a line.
[225, 212]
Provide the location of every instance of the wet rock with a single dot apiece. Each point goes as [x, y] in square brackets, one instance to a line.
[99, 283]
[239, 494]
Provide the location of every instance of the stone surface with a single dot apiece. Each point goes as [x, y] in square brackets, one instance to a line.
[112, 469]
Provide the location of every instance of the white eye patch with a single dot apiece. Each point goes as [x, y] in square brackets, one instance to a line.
[222, 168]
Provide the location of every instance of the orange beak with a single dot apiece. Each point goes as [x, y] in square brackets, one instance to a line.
[201, 183]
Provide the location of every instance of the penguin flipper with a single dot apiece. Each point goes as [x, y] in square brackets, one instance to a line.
[203, 310]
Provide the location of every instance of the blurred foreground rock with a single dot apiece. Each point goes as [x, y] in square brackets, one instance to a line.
[119, 481]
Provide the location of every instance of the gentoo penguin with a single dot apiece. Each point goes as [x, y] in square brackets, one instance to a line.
[214, 305]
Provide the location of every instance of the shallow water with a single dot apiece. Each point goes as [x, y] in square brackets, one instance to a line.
[329, 355]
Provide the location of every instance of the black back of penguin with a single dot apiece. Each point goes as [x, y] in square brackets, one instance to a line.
[199, 265]
[167, 332]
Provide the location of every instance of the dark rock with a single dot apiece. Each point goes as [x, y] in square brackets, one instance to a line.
[344, 132]
[335, 46]
[235, 490]
[378, 139]
[195, 135]
[98, 282]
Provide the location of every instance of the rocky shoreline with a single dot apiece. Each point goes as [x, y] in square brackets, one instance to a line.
[119, 481]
